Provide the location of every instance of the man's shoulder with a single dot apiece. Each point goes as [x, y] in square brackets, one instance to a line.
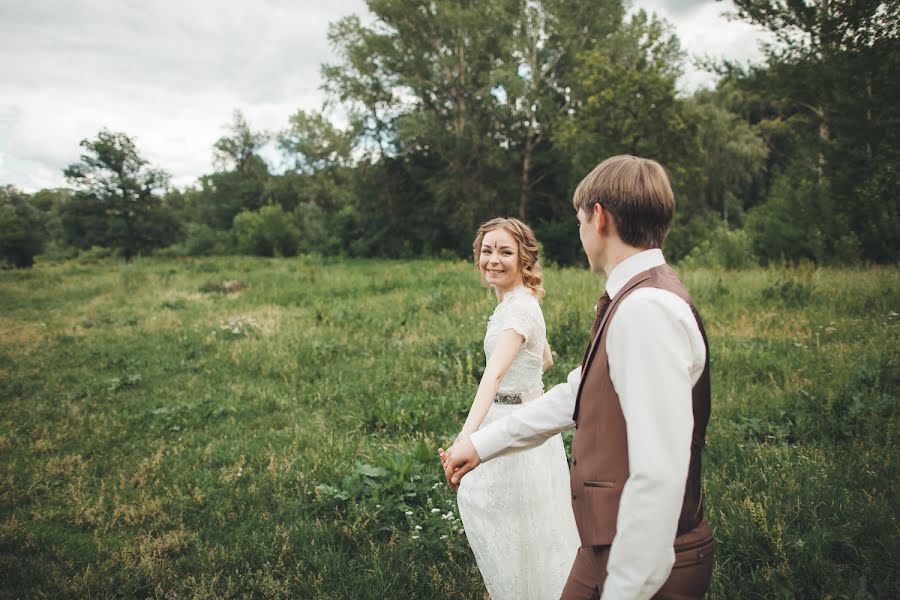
[650, 317]
[652, 299]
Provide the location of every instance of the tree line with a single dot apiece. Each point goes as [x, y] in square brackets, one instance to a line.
[462, 111]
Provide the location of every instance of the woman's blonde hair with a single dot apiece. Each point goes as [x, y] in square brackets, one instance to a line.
[529, 253]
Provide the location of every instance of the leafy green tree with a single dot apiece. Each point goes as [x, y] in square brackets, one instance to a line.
[315, 144]
[877, 213]
[733, 156]
[824, 46]
[223, 195]
[21, 229]
[533, 82]
[625, 102]
[117, 202]
[398, 216]
[469, 102]
[321, 156]
[833, 74]
[420, 81]
[48, 202]
[241, 179]
[239, 150]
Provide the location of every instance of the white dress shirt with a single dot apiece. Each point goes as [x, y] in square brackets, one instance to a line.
[656, 355]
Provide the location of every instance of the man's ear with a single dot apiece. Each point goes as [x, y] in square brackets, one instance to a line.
[600, 218]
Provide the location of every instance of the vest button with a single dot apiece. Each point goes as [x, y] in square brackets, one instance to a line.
[573, 495]
[574, 462]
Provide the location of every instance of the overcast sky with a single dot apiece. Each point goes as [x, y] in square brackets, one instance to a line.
[170, 74]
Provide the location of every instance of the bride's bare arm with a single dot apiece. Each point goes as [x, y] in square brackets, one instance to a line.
[508, 345]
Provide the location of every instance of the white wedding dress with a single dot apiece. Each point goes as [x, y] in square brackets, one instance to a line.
[516, 508]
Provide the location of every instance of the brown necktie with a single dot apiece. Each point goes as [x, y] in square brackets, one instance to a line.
[602, 307]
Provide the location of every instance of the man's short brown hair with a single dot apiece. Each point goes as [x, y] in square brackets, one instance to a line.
[636, 192]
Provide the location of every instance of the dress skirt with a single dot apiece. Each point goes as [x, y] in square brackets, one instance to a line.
[517, 513]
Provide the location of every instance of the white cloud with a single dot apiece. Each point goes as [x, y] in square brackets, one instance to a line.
[170, 74]
[706, 32]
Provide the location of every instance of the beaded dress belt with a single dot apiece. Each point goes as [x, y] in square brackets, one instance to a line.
[517, 398]
[502, 398]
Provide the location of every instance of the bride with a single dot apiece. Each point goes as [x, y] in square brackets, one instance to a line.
[516, 508]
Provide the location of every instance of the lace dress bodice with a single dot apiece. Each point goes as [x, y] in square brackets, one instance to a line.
[519, 310]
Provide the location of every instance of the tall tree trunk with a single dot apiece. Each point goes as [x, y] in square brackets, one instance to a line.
[533, 135]
[825, 47]
[824, 139]
[868, 131]
[525, 191]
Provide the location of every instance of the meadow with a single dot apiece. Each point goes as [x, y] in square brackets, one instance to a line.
[164, 435]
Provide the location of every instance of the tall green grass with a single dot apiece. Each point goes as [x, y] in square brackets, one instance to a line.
[161, 437]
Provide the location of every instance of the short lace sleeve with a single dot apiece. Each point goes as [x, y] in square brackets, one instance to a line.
[524, 316]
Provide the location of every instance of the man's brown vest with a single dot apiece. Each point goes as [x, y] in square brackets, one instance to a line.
[600, 447]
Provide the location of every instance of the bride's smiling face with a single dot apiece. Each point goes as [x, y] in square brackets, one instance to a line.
[499, 260]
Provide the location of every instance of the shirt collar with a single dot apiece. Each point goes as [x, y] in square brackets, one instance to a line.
[631, 266]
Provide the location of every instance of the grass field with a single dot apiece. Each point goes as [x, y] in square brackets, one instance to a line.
[161, 437]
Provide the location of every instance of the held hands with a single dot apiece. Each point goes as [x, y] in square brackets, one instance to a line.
[459, 459]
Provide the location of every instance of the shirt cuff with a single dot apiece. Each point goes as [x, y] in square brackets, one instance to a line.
[488, 441]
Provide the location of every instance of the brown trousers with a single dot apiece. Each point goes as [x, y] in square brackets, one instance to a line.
[688, 580]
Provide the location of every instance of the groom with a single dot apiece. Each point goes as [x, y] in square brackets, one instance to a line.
[639, 402]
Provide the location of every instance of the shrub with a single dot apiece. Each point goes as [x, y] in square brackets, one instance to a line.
[199, 240]
[687, 233]
[97, 253]
[723, 248]
[57, 251]
[775, 225]
[268, 232]
[876, 213]
[863, 405]
[789, 292]
[20, 227]
[202, 240]
[560, 241]
[313, 228]
[348, 226]
[801, 221]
